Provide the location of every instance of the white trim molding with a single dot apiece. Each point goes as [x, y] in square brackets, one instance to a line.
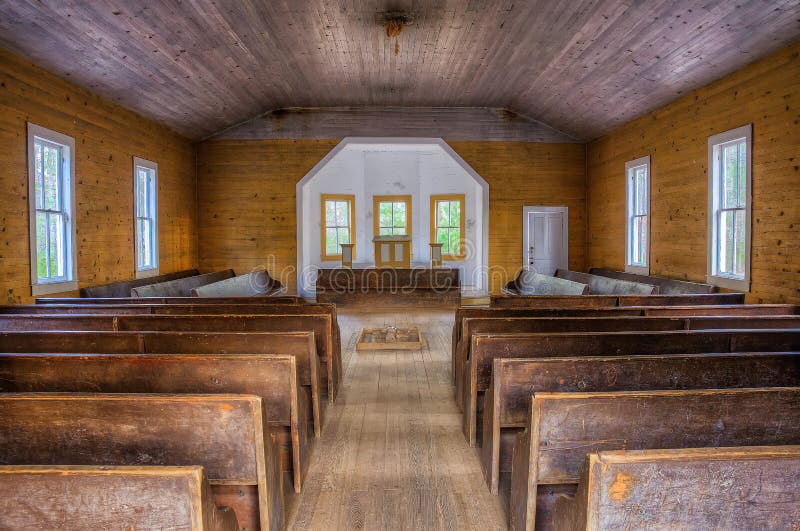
[152, 271]
[70, 280]
[713, 276]
[629, 266]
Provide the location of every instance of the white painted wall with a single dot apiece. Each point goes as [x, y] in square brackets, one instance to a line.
[369, 169]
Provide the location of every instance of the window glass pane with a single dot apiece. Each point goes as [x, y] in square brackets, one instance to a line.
[739, 244]
[57, 251]
[342, 216]
[385, 219]
[742, 174]
[331, 242]
[330, 213]
[38, 170]
[442, 213]
[455, 213]
[726, 242]
[52, 163]
[399, 215]
[455, 243]
[385, 231]
[639, 241]
[41, 244]
[443, 238]
[641, 191]
[343, 236]
[730, 176]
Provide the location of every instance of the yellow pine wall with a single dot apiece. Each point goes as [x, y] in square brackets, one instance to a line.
[766, 94]
[106, 138]
[247, 213]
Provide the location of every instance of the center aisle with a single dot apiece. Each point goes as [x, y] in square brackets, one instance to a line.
[392, 455]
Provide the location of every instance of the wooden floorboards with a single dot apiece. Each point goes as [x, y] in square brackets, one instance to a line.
[392, 455]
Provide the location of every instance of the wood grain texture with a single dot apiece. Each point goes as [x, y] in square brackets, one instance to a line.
[106, 138]
[696, 488]
[86, 497]
[765, 94]
[226, 434]
[581, 67]
[391, 455]
[247, 208]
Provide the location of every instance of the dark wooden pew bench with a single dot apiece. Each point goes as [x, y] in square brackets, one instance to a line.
[751, 487]
[273, 378]
[280, 318]
[228, 435]
[542, 325]
[127, 299]
[562, 428]
[488, 347]
[100, 337]
[603, 301]
[75, 498]
[514, 380]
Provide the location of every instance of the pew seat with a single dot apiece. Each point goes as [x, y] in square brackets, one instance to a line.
[181, 287]
[123, 288]
[75, 498]
[666, 286]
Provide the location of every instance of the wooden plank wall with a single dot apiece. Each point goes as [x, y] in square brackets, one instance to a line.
[766, 94]
[246, 199]
[106, 138]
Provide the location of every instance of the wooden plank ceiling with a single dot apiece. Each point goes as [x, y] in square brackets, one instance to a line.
[580, 66]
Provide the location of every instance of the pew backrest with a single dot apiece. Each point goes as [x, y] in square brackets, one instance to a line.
[255, 284]
[751, 487]
[75, 498]
[515, 380]
[564, 427]
[608, 286]
[604, 301]
[226, 434]
[272, 299]
[181, 287]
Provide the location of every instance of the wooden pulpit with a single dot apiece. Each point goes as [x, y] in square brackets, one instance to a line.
[392, 251]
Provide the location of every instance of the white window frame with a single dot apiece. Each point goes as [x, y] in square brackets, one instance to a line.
[70, 280]
[630, 267]
[714, 142]
[153, 166]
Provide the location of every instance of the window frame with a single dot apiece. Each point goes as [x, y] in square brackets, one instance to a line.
[716, 142]
[324, 198]
[461, 256]
[153, 166]
[631, 165]
[378, 199]
[67, 190]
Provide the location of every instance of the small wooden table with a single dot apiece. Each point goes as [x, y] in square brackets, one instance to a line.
[390, 338]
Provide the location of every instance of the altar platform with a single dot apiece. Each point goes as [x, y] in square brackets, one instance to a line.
[390, 287]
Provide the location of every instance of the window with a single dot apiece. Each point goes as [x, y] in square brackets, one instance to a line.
[338, 218]
[637, 175]
[729, 159]
[146, 214]
[392, 215]
[51, 189]
[447, 225]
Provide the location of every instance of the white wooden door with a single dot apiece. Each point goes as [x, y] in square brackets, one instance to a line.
[546, 237]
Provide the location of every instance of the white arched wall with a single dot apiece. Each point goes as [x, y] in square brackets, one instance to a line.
[419, 167]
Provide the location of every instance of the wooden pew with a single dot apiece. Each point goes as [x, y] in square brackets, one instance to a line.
[563, 428]
[227, 435]
[514, 380]
[508, 325]
[532, 283]
[273, 299]
[750, 487]
[123, 288]
[301, 345]
[271, 377]
[487, 347]
[255, 284]
[102, 497]
[666, 286]
[320, 319]
[601, 301]
[181, 287]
